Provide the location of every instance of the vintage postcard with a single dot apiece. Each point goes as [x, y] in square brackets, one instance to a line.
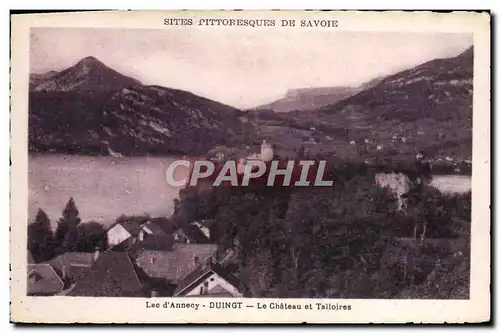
[250, 167]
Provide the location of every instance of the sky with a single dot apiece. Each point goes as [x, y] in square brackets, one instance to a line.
[242, 67]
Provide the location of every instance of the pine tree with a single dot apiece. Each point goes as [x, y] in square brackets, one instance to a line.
[60, 234]
[67, 234]
[40, 237]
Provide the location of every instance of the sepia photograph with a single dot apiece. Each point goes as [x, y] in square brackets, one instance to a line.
[249, 157]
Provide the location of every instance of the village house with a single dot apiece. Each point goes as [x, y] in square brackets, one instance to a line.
[70, 266]
[194, 232]
[43, 280]
[142, 261]
[111, 275]
[133, 235]
[150, 228]
[209, 279]
[153, 237]
[56, 275]
[175, 264]
[123, 233]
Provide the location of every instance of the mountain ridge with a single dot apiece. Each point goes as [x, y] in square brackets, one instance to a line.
[429, 106]
[87, 75]
[90, 108]
[425, 109]
[307, 99]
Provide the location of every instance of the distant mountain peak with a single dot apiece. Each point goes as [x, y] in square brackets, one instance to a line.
[469, 52]
[88, 74]
[88, 64]
[90, 61]
[90, 58]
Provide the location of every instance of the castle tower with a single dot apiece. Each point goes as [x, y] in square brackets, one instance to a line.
[266, 151]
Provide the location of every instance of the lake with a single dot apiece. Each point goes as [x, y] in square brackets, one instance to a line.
[106, 187]
[452, 183]
[103, 187]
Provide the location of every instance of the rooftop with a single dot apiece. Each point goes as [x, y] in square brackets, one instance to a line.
[194, 233]
[112, 275]
[175, 264]
[43, 280]
[72, 258]
[203, 270]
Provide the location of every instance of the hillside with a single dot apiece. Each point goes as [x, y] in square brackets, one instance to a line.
[36, 79]
[429, 105]
[425, 109]
[429, 90]
[88, 108]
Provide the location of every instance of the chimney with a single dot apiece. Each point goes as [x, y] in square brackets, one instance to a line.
[96, 253]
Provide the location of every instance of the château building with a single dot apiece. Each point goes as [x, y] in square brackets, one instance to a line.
[266, 155]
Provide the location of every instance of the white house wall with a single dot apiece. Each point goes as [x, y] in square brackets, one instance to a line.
[218, 281]
[117, 235]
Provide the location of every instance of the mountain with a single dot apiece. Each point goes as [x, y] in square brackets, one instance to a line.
[430, 106]
[89, 74]
[425, 109]
[429, 90]
[306, 99]
[92, 109]
[36, 79]
[370, 84]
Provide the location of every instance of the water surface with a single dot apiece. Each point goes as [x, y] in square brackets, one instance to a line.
[103, 187]
[452, 184]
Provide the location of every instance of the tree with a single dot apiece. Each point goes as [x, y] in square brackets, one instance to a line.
[139, 219]
[90, 236]
[40, 238]
[67, 234]
[60, 234]
[347, 240]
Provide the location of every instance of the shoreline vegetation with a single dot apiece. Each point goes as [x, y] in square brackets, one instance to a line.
[291, 242]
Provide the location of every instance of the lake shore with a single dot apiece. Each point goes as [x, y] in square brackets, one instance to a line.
[104, 187]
